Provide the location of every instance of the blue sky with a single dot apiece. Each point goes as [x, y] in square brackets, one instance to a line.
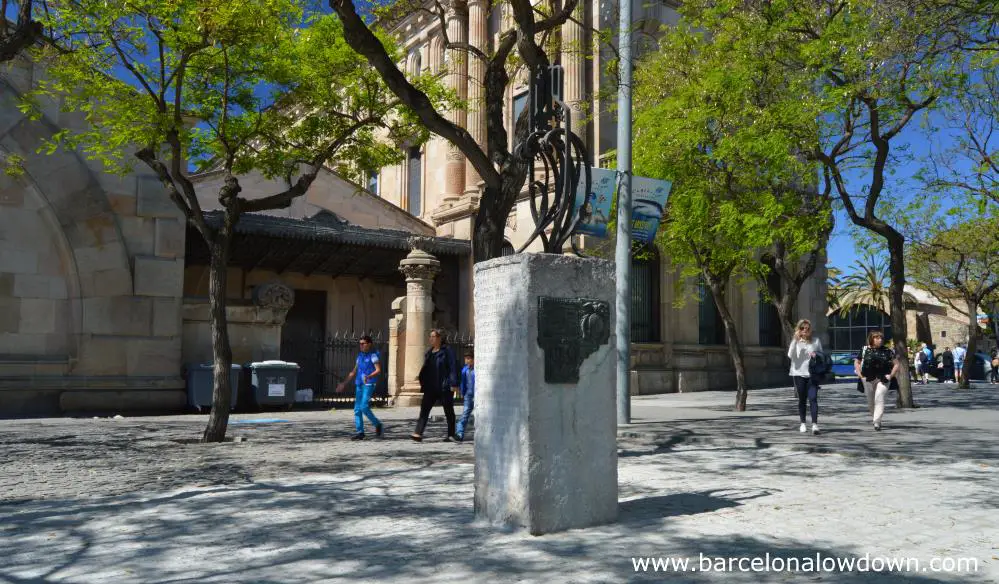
[915, 144]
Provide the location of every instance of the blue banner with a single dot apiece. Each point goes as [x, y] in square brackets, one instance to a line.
[648, 201]
[597, 203]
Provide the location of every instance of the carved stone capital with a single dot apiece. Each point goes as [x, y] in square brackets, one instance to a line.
[276, 295]
[419, 271]
[420, 264]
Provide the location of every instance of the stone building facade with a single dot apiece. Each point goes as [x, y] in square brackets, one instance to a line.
[91, 273]
[677, 348]
[103, 288]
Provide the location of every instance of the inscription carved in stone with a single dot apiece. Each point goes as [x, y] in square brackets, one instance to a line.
[569, 331]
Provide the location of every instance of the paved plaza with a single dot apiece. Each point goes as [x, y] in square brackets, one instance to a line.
[293, 500]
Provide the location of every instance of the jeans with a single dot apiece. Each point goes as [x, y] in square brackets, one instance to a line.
[995, 374]
[466, 415]
[876, 389]
[362, 395]
[808, 393]
[948, 374]
[429, 400]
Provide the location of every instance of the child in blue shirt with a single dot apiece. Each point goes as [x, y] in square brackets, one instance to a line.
[467, 393]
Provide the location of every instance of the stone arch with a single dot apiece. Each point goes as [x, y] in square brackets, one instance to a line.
[73, 205]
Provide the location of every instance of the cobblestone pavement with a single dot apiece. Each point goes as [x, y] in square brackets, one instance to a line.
[133, 500]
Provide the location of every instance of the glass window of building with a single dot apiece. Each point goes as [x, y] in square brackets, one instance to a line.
[848, 331]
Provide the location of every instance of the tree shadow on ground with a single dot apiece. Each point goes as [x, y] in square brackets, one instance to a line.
[383, 526]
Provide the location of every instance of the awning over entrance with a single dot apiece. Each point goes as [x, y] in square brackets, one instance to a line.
[322, 244]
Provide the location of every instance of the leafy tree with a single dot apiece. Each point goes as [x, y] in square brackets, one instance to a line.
[502, 167]
[705, 122]
[871, 67]
[969, 165]
[253, 85]
[959, 264]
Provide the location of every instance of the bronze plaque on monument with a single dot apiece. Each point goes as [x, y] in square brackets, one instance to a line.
[569, 331]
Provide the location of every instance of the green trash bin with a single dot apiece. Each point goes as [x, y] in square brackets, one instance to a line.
[273, 383]
[201, 384]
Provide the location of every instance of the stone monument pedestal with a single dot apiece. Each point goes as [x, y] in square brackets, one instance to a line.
[545, 416]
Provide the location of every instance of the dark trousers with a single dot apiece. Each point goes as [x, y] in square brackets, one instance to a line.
[807, 391]
[948, 373]
[429, 401]
[995, 374]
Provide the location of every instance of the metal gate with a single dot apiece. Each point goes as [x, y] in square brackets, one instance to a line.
[337, 354]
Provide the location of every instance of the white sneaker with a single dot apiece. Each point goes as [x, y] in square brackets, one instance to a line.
[815, 429]
[803, 428]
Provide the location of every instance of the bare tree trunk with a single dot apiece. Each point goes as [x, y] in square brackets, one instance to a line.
[785, 311]
[489, 224]
[898, 324]
[717, 287]
[969, 359]
[221, 350]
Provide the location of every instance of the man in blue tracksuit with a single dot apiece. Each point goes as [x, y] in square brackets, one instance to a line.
[367, 370]
[467, 393]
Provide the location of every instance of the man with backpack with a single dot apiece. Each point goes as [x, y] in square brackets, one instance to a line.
[923, 364]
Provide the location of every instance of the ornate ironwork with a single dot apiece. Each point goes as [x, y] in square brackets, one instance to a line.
[563, 162]
[569, 331]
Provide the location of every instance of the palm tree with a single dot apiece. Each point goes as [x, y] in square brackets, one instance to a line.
[833, 288]
[867, 285]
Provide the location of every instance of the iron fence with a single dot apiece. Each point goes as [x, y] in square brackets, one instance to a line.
[335, 356]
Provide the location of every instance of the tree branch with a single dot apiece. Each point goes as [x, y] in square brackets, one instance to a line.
[362, 40]
[283, 199]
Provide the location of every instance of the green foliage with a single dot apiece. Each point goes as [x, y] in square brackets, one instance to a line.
[958, 261]
[867, 284]
[253, 85]
[722, 129]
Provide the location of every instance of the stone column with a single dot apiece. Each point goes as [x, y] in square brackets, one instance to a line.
[420, 268]
[457, 78]
[574, 65]
[397, 342]
[479, 39]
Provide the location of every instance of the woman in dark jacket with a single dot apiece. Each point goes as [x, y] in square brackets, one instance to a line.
[438, 381]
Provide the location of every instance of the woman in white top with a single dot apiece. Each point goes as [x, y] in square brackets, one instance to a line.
[803, 348]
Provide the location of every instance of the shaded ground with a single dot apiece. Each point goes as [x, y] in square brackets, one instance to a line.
[128, 500]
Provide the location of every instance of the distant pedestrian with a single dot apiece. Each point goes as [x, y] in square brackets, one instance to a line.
[995, 365]
[922, 360]
[467, 393]
[803, 350]
[876, 365]
[947, 360]
[930, 361]
[438, 382]
[959, 354]
[367, 370]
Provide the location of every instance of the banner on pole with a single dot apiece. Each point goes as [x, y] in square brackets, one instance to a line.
[596, 204]
[648, 201]
[648, 196]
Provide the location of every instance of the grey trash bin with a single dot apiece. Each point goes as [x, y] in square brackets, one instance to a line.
[200, 385]
[273, 383]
